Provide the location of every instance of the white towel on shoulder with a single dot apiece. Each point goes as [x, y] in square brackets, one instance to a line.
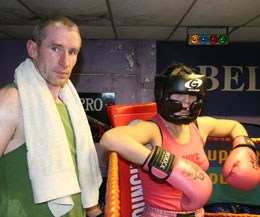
[51, 169]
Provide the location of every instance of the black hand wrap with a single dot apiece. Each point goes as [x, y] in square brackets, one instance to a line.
[160, 163]
[248, 143]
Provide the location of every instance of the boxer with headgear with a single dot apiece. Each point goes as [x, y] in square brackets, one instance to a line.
[179, 81]
[170, 147]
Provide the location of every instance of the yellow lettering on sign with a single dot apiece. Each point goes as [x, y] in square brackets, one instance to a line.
[222, 156]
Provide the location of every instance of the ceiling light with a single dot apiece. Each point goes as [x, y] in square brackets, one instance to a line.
[194, 39]
[213, 39]
[203, 35]
[208, 39]
[204, 39]
[222, 39]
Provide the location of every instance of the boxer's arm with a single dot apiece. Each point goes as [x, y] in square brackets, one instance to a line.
[221, 128]
[129, 141]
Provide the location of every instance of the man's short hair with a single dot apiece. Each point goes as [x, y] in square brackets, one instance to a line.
[39, 33]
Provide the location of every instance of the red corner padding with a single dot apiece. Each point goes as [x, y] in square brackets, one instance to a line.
[123, 114]
[131, 192]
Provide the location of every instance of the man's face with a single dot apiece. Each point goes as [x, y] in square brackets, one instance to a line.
[57, 54]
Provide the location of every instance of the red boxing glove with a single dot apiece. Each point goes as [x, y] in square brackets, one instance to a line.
[241, 169]
[183, 174]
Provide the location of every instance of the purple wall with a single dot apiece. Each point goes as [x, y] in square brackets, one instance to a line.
[117, 66]
[124, 67]
[13, 53]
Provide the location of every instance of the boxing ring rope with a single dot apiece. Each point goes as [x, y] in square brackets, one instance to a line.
[215, 139]
[113, 191]
[229, 215]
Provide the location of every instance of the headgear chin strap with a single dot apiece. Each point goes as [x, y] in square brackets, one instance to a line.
[166, 85]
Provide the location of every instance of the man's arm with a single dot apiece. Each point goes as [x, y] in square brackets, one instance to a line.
[94, 211]
[9, 105]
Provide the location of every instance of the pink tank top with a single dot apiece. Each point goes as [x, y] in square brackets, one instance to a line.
[161, 194]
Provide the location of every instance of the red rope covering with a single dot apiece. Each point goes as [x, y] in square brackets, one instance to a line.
[256, 140]
[229, 215]
[216, 139]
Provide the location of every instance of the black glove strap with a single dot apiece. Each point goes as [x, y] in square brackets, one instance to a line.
[244, 141]
[162, 161]
[246, 145]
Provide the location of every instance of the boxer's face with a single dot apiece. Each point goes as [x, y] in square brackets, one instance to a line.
[186, 101]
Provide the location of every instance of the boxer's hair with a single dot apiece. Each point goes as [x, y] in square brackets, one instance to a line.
[178, 68]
